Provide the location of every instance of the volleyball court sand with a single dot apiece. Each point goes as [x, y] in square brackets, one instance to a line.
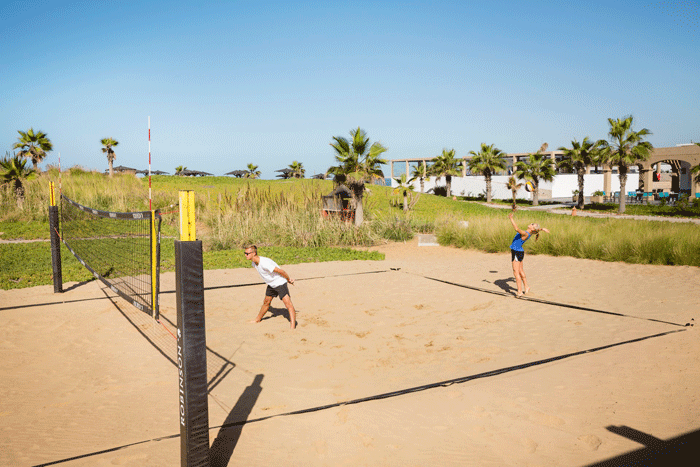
[84, 376]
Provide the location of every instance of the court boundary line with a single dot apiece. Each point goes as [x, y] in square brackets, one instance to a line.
[386, 395]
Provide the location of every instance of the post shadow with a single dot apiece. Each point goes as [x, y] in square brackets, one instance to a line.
[222, 448]
[656, 452]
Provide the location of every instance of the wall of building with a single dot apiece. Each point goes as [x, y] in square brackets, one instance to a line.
[561, 187]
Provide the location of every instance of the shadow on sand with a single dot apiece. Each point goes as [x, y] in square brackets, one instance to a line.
[680, 450]
[222, 448]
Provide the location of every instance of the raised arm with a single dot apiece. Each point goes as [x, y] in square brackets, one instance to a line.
[523, 233]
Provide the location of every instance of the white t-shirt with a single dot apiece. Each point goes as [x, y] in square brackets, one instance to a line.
[266, 270]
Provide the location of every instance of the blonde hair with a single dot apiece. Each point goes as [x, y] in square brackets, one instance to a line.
[536, 231]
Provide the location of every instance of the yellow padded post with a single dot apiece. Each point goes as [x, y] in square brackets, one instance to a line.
[52, 196]
[187, 228]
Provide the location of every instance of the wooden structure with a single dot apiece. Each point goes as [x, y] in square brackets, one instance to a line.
[339, 203]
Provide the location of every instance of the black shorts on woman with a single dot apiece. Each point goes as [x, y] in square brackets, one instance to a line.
[280, 291]
[517, 255]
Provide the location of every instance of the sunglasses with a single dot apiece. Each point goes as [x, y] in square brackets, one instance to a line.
[246, 253]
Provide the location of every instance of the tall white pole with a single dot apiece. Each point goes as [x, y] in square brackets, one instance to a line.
[149, 164]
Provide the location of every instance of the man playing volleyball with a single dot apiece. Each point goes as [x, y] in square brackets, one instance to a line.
[276, 280]
[517, 252]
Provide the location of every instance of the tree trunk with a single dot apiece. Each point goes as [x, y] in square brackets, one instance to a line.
[514, 192]
[580, 188]
[535, 192]
[421, 185]
[111, 170]
[19, 193]
[358, 190]
[448, 185]
[405, 201]
[488, 189]
[623, 181]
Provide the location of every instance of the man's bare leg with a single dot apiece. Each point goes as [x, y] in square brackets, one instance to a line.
[263, 309]
[292, 312]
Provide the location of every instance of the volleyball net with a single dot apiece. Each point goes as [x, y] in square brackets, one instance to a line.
[122, 249]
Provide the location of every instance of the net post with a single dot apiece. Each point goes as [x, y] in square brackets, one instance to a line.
[155, 260]
[55, 242]
[191, 341]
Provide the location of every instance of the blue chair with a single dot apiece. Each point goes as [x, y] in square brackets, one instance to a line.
[697, 195]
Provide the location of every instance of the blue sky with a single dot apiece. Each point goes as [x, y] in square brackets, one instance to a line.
[230, 83]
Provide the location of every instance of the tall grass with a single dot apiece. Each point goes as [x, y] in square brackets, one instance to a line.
[630, 241]
[292, 218]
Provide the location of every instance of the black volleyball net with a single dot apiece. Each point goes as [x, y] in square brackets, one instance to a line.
[122, 249]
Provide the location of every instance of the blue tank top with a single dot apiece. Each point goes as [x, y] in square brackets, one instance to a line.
[518, 242]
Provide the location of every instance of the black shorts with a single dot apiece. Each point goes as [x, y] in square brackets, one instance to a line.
[280, 291]
[517, 255]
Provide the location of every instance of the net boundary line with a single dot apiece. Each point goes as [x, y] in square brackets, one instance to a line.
[136, 215]
[386, 395]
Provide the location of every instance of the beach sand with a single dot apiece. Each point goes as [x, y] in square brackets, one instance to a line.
[425, 358]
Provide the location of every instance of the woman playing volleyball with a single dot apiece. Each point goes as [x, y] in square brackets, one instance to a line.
[518, 253]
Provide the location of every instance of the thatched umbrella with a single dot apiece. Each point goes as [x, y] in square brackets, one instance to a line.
[237, 173]
[121, 168]
[285, 173]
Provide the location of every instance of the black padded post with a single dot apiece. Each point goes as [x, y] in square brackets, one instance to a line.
[191, 354]
[55, 250]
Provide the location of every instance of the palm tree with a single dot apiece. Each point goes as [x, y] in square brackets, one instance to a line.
[421, 172]
[405, 187]
[578, 158]
[298, 170]
[538, 167]
[488, 161]
[33, 145]
[108, 144]
[14, 170]
[180, 169]
[358, 163]
[445, 165]
[626, 148]
[513, 186]
[253, 171]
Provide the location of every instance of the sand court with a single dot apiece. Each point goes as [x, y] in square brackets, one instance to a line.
[392, 363]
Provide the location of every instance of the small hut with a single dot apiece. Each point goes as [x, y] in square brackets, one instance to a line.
[339, 203]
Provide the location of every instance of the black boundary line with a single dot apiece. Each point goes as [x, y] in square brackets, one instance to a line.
[385, 395]
[545, 302]
[172, 291]
[231, 286]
